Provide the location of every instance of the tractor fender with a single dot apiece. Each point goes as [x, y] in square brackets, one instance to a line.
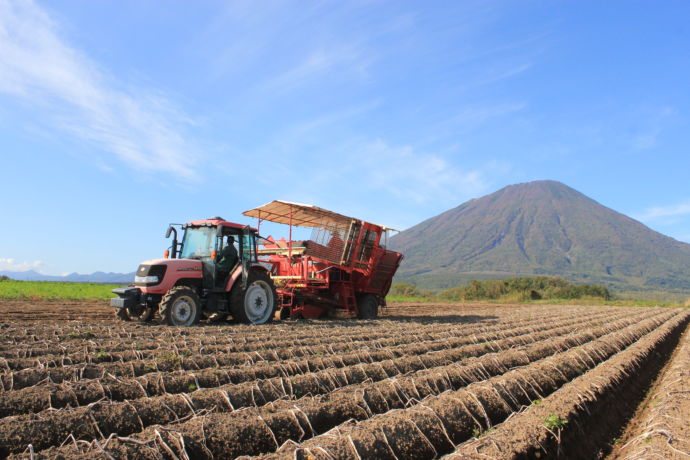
[237, 275]
[194, 283]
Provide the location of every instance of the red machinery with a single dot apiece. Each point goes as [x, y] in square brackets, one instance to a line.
[344, 269]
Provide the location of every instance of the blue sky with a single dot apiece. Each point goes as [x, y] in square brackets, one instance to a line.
[118, 117]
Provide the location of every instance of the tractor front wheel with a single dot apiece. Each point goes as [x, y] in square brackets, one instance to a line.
[367, 306]
[181, 306]
[257, 303]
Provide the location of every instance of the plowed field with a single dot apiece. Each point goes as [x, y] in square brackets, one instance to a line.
[423, 381]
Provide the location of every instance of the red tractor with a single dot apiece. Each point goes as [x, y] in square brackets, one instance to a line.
[343, 270]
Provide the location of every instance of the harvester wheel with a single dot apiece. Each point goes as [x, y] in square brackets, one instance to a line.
[368, 307]
[181, 306]
[257, 303]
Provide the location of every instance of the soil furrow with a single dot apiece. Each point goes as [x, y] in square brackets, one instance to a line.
[578, 420]
[218, 433]
[38, 398]
[29, 377]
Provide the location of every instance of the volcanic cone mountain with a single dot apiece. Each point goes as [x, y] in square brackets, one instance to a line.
[540, 228]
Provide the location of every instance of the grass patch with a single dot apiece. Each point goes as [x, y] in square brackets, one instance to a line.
[51, 290]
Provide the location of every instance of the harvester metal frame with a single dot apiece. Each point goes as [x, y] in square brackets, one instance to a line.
[344, 270]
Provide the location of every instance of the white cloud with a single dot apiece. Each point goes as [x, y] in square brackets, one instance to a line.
[12, 265]
[653, 124]
[38, 67]
[662, 212]
[475, 115]
[316, 64]
[328, 119]
[417, 176]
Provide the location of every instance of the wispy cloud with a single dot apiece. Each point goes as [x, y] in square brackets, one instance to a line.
[479, 114]
[664, 212]
[330, 118]
[417, 176]
[317, 64]
[13, 265]
[654, 123]
[39, 68]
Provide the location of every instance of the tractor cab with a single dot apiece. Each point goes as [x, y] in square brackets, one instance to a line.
[206, 240]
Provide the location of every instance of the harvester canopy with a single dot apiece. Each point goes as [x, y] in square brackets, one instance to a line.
[301, 215]
[298, 214]
[333, 236]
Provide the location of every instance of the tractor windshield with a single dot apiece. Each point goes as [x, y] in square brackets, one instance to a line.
[198, 242]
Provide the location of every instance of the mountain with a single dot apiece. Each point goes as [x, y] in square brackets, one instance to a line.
[540, 228]
[96, 277]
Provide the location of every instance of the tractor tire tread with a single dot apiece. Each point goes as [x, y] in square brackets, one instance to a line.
[169, 297]
[237, 297]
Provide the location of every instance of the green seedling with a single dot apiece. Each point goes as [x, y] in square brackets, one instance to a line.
[478, 432]
[169, 357]
[101, 354]
[554, 422]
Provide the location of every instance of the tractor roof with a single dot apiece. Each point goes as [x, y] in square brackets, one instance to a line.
[301, 215]
[214, 222]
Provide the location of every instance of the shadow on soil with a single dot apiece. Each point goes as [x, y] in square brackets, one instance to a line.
[421, 319]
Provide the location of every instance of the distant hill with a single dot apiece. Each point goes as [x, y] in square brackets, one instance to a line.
[96, 277]
[541, 228]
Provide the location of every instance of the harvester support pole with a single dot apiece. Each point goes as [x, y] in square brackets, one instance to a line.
[258, 224]
[290, 240]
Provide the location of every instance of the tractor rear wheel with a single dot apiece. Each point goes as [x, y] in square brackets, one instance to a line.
[181, 306]
[367, 306]
[257, 303]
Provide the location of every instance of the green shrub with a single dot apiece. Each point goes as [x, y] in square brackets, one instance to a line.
[403, 290]
[523, 290]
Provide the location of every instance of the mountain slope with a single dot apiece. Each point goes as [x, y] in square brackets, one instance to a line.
[541, 227]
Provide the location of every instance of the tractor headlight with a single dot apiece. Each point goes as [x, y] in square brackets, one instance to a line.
[145, 279]
[149, 275]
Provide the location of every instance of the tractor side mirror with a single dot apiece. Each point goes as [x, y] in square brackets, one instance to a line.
[172, 230]
[219, 231]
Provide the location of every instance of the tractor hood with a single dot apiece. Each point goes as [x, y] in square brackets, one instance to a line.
[177, 265]
[157, 276]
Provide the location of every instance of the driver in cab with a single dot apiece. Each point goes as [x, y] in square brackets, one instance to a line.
[227, 258]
